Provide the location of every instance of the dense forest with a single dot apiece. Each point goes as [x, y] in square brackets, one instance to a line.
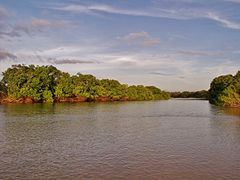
[225, 90]
[28, 84]
[203, 94]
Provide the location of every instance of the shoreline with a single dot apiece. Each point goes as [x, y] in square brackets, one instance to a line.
[28, 100]
[7, 100]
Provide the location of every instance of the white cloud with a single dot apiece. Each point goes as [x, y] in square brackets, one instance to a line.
[4, 54]
[227, 67]
[151, 42]
[101, 8]
[223, 21]
[135, 35]
[157, 12]
[46, 23]
[70, 51]
[30, 27]
[140, 38]
[200, 53]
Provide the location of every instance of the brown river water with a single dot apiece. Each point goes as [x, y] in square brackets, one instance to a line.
[175, 139]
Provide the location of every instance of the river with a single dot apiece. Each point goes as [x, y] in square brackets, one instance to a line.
[175, 139]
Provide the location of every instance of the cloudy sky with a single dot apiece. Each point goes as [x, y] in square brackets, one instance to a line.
[173, 44]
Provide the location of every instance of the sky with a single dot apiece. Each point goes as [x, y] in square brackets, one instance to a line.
[175, 45]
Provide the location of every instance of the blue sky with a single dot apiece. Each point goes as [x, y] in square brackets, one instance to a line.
[172, 44]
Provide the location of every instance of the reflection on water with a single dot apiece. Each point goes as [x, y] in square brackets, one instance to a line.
[174, 139]
[232, 111]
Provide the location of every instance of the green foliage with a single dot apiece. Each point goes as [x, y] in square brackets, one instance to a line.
[158, 94]
[3, 88]
[203, 94]
[225, 90]
[46, 84]
[64, 86]
[81, 90]
[114, 89]
[87, 86]
[48, 96]
[139, 93]
[30, 81]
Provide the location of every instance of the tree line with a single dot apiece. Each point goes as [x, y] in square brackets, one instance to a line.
[203, 94]
[48, 84]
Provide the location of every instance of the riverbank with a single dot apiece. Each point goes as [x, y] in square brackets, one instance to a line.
[29, 100]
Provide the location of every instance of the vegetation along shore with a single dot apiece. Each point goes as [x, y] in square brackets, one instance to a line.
[225, 90]
[35, 84]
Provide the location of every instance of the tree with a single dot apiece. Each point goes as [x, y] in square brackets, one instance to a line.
[139, 93]
[35, 82]
[3, 90]
[64, 86]
[158, 94]
[225, 90]
[114, 89]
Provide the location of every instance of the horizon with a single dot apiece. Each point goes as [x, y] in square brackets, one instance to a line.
[176, 45]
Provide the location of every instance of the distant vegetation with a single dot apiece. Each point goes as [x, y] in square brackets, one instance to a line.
[31, 83]
[187, 94]
[225, 90]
